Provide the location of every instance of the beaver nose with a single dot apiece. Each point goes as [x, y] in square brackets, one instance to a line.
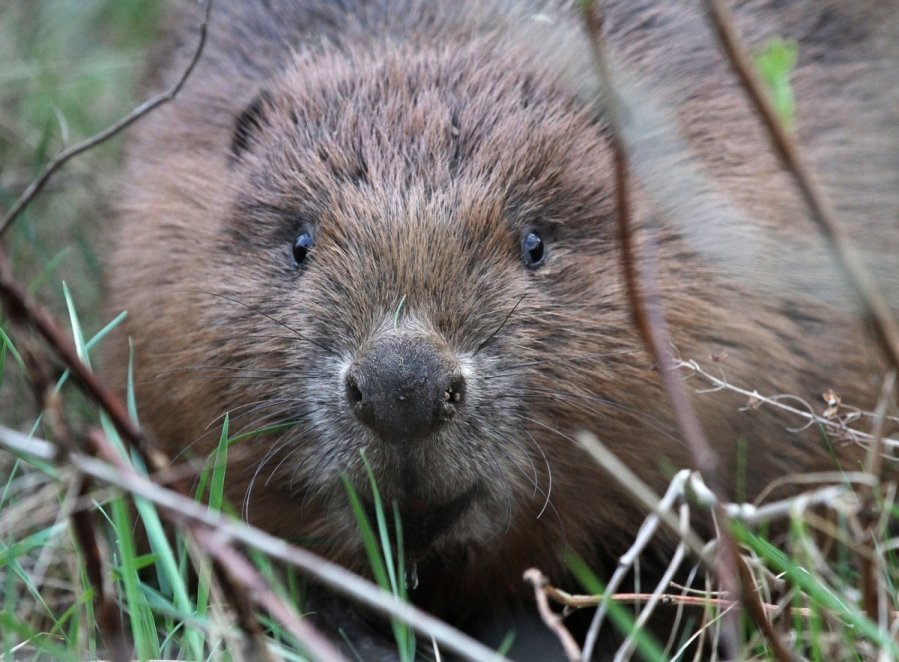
[404, 390]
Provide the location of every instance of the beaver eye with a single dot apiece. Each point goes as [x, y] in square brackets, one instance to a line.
[533, 250]
[302, 245]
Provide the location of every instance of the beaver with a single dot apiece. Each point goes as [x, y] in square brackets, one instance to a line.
[389, 226]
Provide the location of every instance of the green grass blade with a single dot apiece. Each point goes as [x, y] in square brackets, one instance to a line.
[76, 327]
[383, 533]
[8, 346]
[132, 400]
[775, 64]
[645, 643]
[369, 542]
[143, 626]
[46, 649]
[816, 590]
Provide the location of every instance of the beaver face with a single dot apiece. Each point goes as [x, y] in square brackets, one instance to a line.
[409, 248]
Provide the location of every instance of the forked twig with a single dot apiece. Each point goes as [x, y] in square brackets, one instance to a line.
[551, 619]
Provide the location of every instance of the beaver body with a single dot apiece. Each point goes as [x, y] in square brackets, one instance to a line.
[391, 225]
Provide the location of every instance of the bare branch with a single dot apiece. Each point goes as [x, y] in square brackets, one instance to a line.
[835, 426]
[650, 322]
[21, 308]
[552, 620]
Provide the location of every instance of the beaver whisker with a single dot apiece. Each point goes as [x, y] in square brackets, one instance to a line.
[226, 368]
[267, 316]
[547, 494]
[499, 328]
[286, 457]
[549, 474]
[269, 454]
[255, 404]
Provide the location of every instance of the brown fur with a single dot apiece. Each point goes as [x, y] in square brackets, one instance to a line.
[420, 141]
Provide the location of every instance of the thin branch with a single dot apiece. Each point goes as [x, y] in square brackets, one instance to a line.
[872, 593]
[66, 155]
[242, 573]
[551, 619]
[189, 513]
[651, 324]
[833, 426]
[21, 308]
[821, 210]
[580, 601]
[757, 611]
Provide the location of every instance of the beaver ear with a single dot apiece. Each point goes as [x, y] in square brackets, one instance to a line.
[252, 119]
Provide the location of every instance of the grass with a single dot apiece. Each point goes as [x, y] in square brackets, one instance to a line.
[385, 556]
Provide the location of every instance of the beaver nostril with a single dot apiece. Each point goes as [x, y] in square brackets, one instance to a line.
[455, 390]
[453, 397]
[353, 392]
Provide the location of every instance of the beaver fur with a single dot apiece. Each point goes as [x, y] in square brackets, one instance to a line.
[391, 224]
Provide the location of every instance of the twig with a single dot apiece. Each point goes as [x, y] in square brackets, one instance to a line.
[63, 157]
[749, 513]
[644, 308]
[189, 513]
[645, 613]
[872, 593]
[21, 308]
[651, 324]
[577, 601]
[757, 611]
[833, 426]
[551, 619]
[660, 511]
[242, 573]
[821, 210]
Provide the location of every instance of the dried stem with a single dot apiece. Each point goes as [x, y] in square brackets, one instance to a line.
[833, 426]
[83, 521]
[822, 212]
[552, 620]
[651, 325]
[577, 601]
[753, 603]
[242, 573]
[66, 155]
[22, 309]
[868, 555]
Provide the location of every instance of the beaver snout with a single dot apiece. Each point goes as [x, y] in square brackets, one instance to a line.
[404, 389]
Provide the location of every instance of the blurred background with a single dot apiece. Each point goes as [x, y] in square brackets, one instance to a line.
[68, 68]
